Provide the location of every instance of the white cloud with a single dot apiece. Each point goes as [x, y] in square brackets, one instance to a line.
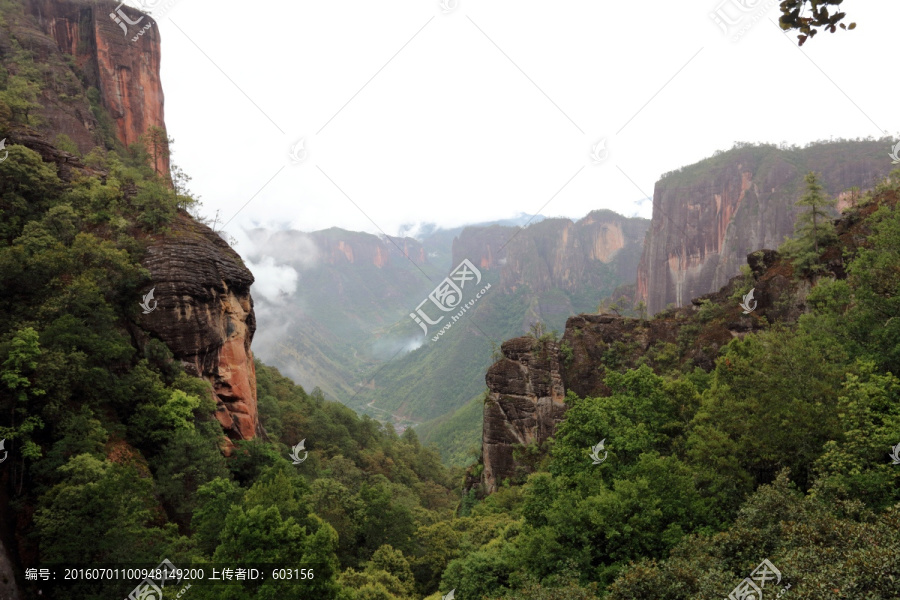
[285, 246]
[275, 283]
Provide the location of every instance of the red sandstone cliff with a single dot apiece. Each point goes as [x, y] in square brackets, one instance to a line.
[524, 386]
[557, 253]
[527, 387]
[125, 72]
[709, 216]
[339, 246]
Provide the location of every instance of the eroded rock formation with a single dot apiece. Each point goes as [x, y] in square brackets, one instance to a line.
[338, 246]
[125, 72]
[204, 314]
[524, 405]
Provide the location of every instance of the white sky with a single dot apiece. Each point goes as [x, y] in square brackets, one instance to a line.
[492, 109]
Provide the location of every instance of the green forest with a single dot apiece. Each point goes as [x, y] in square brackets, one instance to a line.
[780, 453]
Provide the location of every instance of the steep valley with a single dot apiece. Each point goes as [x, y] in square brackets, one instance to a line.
[350, 313]
[538, 408]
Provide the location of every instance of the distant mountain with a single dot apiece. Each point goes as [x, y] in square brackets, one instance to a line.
[350, 286]
[347, 326]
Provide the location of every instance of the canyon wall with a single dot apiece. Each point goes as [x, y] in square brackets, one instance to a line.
[527, 386]
[557, 253]
[102, 56]
[707, 217]
[337, 246]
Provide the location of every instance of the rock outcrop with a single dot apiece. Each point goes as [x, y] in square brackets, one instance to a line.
[707, 217]
[68, 166]
[204, 314]
[103, 56]
[524, 405]
[527, 387]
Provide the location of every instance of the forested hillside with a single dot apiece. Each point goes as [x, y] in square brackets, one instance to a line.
[783, 449]
[114, 453]
[757, 448]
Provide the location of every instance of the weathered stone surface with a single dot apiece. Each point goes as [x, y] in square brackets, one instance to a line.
[525, 403]
[205, 316]
[709, 216]
[591, 336]
[762, 260]
[557, 253]
[125, 72]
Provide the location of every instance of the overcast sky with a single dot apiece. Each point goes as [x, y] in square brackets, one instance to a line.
[410, 114]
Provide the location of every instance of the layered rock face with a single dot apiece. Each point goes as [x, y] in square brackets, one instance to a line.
[205, 316]
[709, 216]
[125, 72]
[524, 405]
[557, 253]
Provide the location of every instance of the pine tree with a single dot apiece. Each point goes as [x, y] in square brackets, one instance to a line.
[157, 143]
[814, 228]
